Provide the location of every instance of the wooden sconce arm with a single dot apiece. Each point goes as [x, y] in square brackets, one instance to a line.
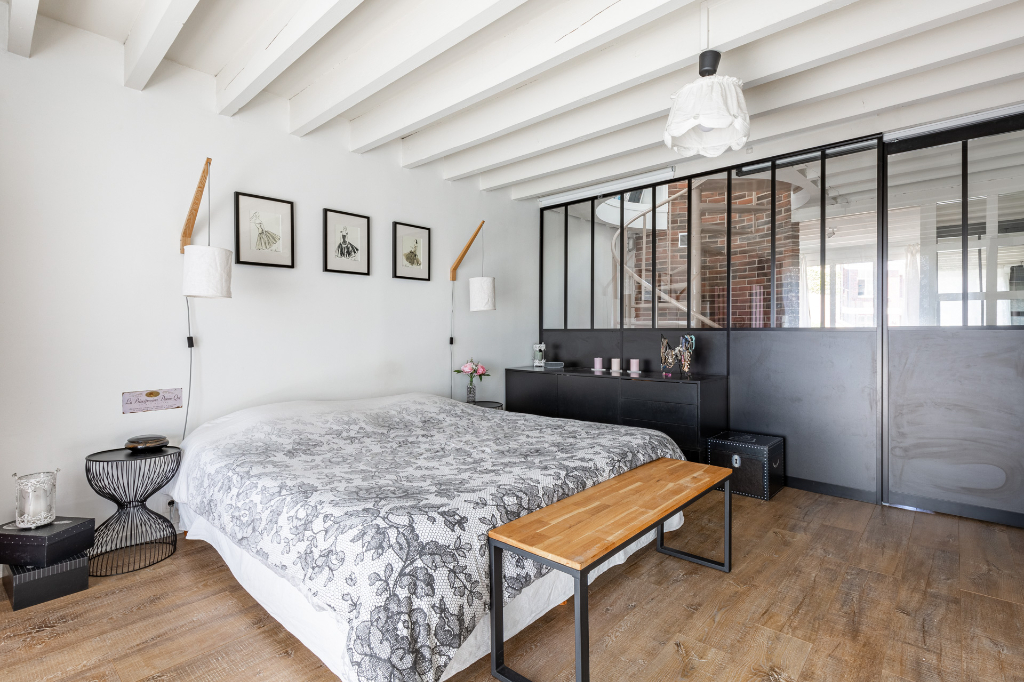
[193, 210]
[465, 250]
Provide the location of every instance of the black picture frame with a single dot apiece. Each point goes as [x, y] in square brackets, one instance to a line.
[291, 231]
[395, 250]
[327, 242]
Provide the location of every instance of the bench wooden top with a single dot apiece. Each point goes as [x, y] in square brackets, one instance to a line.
[582, 528]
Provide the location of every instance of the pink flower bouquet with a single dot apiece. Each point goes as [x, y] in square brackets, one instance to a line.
[473, 370]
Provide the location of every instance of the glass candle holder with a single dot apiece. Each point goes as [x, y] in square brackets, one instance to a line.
[36, 499]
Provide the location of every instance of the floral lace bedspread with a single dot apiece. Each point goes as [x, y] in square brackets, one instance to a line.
[378, 510]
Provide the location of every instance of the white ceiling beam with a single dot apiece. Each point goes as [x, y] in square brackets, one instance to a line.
[954, 76]
[554, 34]
[836, 35]
[287, 42]
[959, 104]
[151, 36]
[662, 48]
[21, 26]
[421, 34]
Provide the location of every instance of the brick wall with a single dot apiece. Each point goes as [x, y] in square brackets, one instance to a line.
[751, 254]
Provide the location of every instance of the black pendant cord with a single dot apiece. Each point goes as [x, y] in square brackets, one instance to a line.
[188, 399]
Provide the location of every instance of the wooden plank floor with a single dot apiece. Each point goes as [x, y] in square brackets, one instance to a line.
[822, 589]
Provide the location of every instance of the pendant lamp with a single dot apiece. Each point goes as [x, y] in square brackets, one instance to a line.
[207, 272]
[708, 115]
[481, 294]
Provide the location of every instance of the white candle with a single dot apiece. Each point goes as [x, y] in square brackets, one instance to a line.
[37, 502]
[616, 364]
[598, 363]
[634, 365]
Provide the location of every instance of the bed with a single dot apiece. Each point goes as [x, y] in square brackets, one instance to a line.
[361, 525]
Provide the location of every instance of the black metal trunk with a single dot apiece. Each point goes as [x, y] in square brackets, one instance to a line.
[758, 462]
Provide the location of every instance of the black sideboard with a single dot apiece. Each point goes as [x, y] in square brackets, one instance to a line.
[690, 409]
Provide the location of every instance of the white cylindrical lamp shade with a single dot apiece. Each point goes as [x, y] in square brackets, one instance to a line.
[481, 294]
[207, 272]
[708, 116]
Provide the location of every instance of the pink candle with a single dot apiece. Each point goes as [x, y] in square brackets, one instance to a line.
[598, 363]
[634, 365]
[616, 364]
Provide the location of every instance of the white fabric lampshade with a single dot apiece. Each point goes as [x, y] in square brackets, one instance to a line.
[207, 272]
[708, 116]
[481, 294]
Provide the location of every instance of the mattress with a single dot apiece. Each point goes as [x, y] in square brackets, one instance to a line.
[361, 525]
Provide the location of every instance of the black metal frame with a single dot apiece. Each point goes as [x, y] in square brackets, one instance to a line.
[581, 582]
[820, 153]
[367, 242]
[394, 251]
[291, 232]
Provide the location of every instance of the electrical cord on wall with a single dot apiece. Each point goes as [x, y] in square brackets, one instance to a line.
[451, 349]
[191, 345]
[188, 308]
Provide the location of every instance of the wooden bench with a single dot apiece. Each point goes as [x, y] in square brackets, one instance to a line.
[577, 534]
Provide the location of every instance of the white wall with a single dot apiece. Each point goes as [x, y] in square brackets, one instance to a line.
[95, 183]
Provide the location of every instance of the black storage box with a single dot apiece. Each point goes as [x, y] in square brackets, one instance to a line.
[27, 585]
[758, 462]
[46, 545]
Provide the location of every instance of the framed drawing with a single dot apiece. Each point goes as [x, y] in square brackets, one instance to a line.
[346, 242]
[264, 231]
[410, 251]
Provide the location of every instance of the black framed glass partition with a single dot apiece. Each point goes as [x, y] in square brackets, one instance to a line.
[672, 219]
[638, 259]
[552, 268]
[607, 275]
[925, 250]
[793, 242]
[579, 240]
[851, 237]
[995, 238]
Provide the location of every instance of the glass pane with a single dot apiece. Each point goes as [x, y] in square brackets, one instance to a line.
[851, 239]
[798, 242]
[925, 268]
[639, 244]
[708, 273]
[751, 206]
[672, 265]
[606, 263]
[995, 256]
[554, 268]
[579, 266]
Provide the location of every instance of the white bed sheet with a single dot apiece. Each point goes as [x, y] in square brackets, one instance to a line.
[327, 637]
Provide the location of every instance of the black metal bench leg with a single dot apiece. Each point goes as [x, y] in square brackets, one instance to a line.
[498, 668]
[582, 628]
[725, 565]
[497, 609]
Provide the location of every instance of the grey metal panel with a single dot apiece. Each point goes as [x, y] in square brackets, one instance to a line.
[709, 356]
[578, 348]
[816, 388]
[956, 416]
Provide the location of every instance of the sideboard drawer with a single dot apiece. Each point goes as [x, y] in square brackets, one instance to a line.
[655, 411]
[661, 391]
[684, 436]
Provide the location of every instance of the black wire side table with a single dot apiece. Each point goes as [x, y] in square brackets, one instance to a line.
[135, 536]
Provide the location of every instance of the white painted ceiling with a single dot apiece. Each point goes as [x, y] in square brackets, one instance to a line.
[544, 96]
